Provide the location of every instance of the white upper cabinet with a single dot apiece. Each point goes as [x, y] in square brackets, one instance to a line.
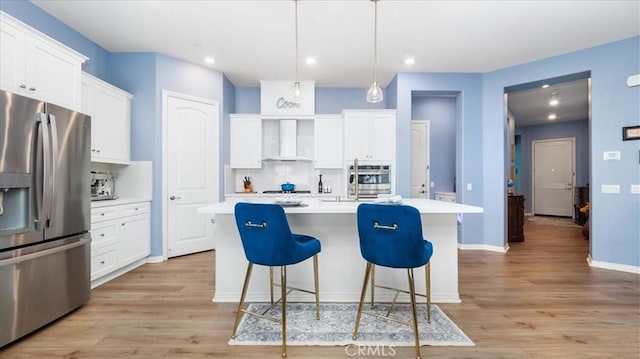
[34, 65]
[370, 135]
[327, 130]
[110, 111]
[245, 142]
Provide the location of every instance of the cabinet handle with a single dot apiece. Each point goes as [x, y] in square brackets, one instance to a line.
[173, 198]
[123, 224]
[101, 262]
[23, 86]
[101, 234]
[102, 214]
[32, 88]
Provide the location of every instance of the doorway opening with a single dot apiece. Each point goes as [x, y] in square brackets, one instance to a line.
[548, 139]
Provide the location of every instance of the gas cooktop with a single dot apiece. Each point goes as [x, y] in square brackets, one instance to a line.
[279, 191]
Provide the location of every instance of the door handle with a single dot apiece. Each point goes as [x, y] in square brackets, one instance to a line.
[173, 198]
[423, 191]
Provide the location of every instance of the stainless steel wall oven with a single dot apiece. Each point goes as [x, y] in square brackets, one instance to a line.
[372, 180]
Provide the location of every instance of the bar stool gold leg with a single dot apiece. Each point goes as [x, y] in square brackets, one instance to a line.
[247, 277]
[427, 274]
[283, 278]
[412, 294]
[315, 279]
[271, 283]
[367, 272]
[373, 283]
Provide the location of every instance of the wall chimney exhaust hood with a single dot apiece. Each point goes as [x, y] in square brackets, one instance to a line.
[288, 145]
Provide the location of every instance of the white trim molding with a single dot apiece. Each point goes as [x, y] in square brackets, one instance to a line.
[613, 266]
[483, 247]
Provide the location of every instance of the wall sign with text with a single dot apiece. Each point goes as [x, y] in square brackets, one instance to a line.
[277, 98]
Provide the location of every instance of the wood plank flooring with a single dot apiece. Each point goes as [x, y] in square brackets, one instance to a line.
[540, 300]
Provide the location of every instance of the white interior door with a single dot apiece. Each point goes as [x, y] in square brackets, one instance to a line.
[553, 177]
[192, 172]
[420, 167]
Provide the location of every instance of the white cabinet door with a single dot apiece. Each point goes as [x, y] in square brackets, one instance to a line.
[53, 75]
[13, 63]
[327, 132]
[382, 143]
[134, 236]
[370, 135]
[356, 136]
[110, 111]
[34, 65]
[245, 142]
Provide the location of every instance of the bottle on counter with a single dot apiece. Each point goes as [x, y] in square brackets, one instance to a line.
[320, 185]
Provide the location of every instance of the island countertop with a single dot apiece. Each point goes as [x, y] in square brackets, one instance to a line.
[318, 206]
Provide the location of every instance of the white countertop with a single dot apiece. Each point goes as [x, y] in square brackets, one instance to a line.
[119, 201]
[318, 206]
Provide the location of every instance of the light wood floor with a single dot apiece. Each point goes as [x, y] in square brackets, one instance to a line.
[540, 300]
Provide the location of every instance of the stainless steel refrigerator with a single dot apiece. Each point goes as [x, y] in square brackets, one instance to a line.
[44, 213]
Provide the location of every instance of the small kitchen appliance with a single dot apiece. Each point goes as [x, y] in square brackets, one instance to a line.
[103, 185]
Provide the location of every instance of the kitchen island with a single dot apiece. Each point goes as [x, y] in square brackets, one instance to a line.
[341, 267]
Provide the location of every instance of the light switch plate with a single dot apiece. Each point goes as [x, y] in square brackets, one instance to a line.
[610, 188]
[611, 155]
[635, 188]
[469, 186]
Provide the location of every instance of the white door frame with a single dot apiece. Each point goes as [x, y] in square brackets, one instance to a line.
[216, 171]
[533, 161]
[427, 123]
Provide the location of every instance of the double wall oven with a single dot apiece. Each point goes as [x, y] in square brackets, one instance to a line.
[368, 180]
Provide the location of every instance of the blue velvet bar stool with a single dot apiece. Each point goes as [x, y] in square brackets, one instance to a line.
[391, 236]
[267, 240]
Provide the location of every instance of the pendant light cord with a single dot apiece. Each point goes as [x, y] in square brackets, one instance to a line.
[375, 40]
[297, 71]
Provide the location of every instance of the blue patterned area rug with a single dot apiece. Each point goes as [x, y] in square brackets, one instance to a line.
[336, 324]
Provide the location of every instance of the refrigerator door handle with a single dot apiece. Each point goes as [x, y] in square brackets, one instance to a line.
[46, 164]
[53, 165]
[43, 253]
[40, 170]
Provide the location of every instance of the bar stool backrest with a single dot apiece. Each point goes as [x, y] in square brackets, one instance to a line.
[265, 233]
[391, 235]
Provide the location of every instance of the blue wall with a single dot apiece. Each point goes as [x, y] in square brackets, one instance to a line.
[576, 129]
[481, 154]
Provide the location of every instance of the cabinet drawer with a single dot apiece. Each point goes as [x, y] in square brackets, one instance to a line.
[445, 197]
[135, 208]
[103, 232]
[103, 260]
[104, 213]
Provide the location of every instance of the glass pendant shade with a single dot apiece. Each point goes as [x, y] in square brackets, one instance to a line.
[296, 91]
[374, 95]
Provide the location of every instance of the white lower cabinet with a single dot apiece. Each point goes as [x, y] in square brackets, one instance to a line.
[120, 239]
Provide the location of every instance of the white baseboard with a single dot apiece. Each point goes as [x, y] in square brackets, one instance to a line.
[104, 279]
[613, 266]
[483, 247]
[156, 259]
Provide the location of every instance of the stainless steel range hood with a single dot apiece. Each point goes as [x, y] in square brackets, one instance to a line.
[288, 142]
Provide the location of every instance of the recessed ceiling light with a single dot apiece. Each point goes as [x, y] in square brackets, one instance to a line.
[409, 61]
[554, 102]
[209, 60]
[545, 86]
[552, 116]
[310, 60]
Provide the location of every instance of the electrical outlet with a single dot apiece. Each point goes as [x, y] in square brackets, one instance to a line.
[610, 188]
[469, 187]
[432, 184]
[635, 188]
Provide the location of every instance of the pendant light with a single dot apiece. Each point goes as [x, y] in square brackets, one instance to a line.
[296, 84]
[374, 95]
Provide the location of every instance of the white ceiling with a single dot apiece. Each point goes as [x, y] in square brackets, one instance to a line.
[255, 40]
